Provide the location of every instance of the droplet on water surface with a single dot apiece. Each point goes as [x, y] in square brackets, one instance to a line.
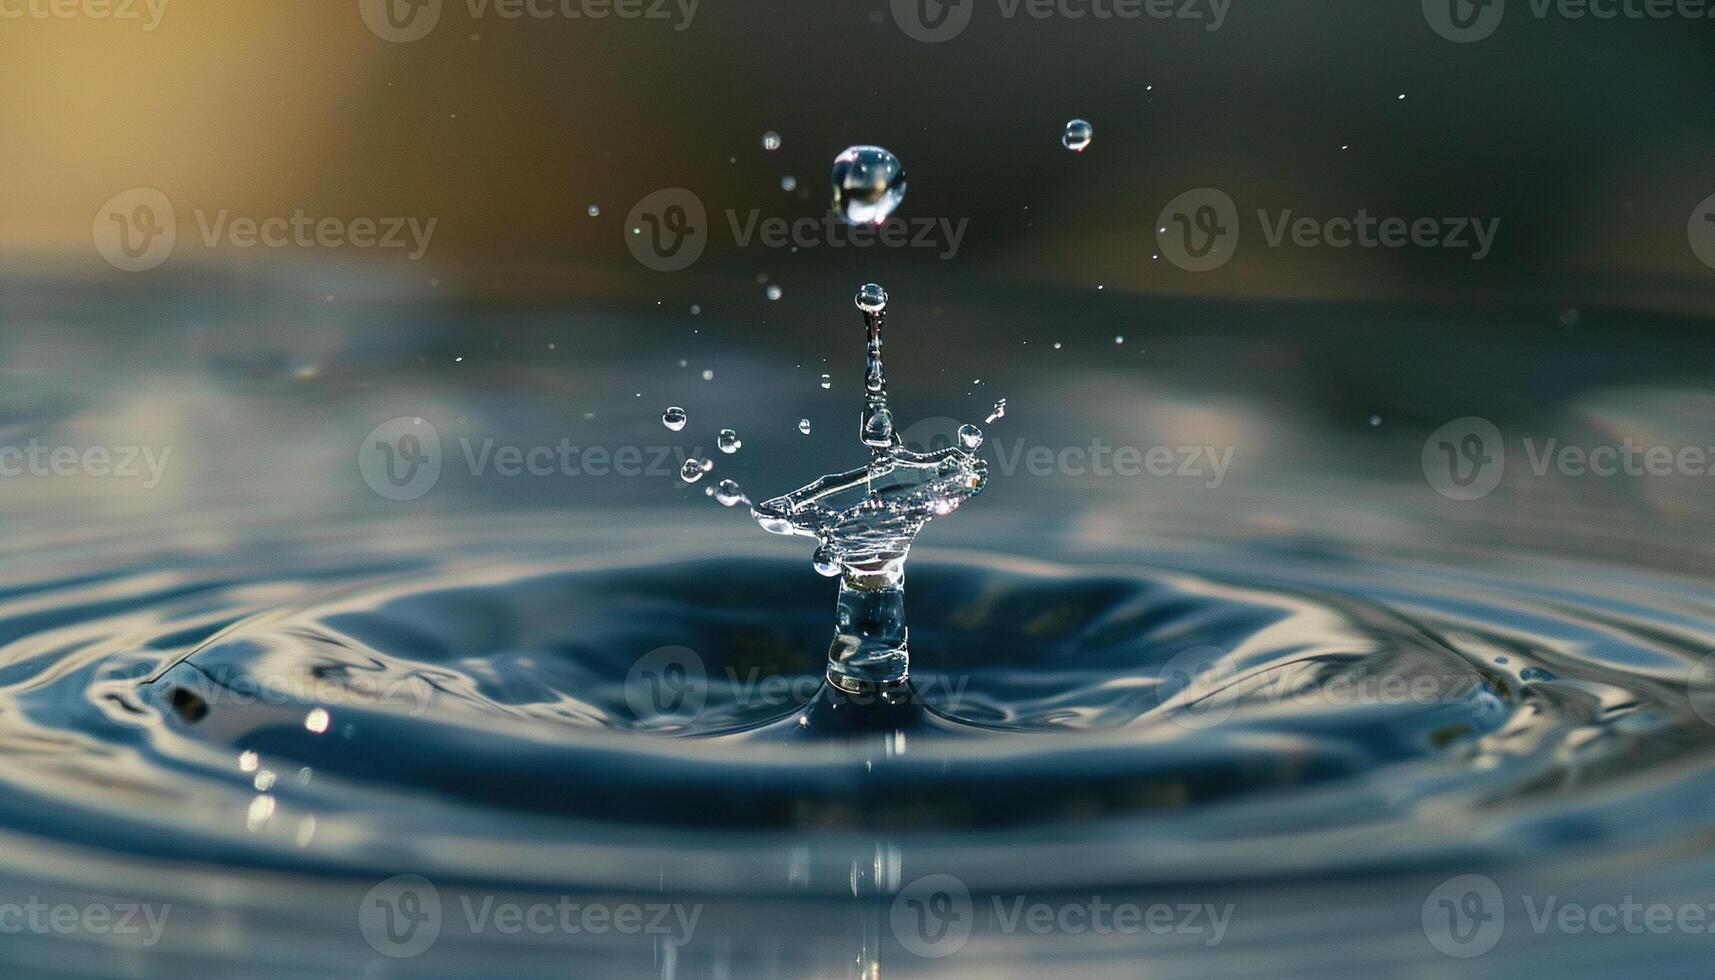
[1078, 135]
[692, 471]
[970, 437]
[728, 441]
[673, 418]
[869, 184]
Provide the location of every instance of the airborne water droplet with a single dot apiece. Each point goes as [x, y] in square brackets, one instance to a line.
[869, 184]
[692, 471]
[1078, 135]
[728, 493]
[728, 441]
[771, 141]
[595, 210]
[827, 381]
[970, 437]
[871, 298]
[999, 412]
[774, 292]
[673, 418]
[788, 184]
[804, 426]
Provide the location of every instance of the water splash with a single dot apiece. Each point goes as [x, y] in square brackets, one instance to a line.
[865, 520]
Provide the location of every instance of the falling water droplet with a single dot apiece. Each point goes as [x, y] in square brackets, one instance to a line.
[827, 381]
[673, 418]
[1078, 135]
[999, 412]
[868, 184]
[692, 471]
[728, 442]
[871, 298]
[788, 184]
[708, 375]
[595, 210]
[826, 561]
[970, 437]
[804, 426]
[774, 292]
[728, 493]
[771, 141]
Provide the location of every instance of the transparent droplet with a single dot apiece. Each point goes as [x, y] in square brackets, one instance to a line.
[771, 141]
[774, 292]
[594, 210]
[728, 441]
[827, 381]
[970, 437]
[692, 471]
[826, 561]
[673, 418]
[804, 426]
[1078, 135]
[871, 298]
[999, 412]
[788, 184]
[869, 183]
[707, 465]
[1119, 339]
[708, 375]
[728, 493]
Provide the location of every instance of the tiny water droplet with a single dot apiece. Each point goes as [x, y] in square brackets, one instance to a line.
[1375, 420]
[804, 426]
[788, 184]
[774, 292]
[1078, 135]
[771, 141]
[692, 471]
[826, 561]
[1119, 339]
[708, 375]
[999, 412]
[827, 381]
[594, 210]
[1056, 345]
[673, 418]
[970, 437]
[728, 493]
[868, 183]
[728, 441]
[871, 298]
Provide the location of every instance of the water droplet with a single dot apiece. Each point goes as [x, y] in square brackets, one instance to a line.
[970, 437]
[827, 381]
[708, 375]
[774, 292]
[1119, 339]
[692, 471]
[728, 441]
[771, 141]
[868, 184]
[728, 493]
[595, 210]
[788, 184]
[1375, 420]
[826, 561]
[804, 426]
[999, 412]
[1056, 345]
[871, 298]
[1078, 135]
[673, 418]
